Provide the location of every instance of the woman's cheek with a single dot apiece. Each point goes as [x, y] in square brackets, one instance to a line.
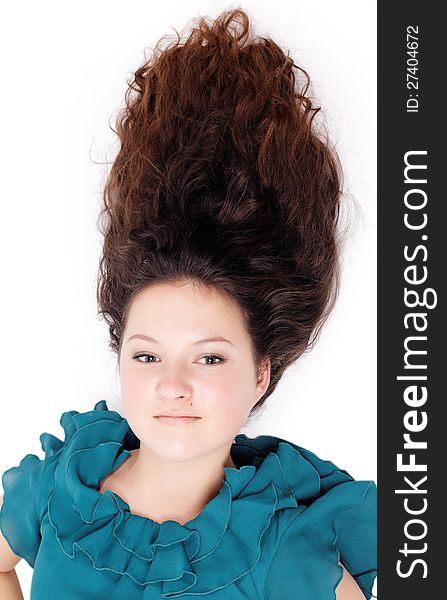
[136, 400]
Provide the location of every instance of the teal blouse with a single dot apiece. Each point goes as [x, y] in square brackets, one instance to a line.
[282, 520]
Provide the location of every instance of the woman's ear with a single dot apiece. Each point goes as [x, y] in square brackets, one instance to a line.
[263, 380]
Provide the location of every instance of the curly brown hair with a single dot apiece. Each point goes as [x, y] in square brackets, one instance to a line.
[223, 180]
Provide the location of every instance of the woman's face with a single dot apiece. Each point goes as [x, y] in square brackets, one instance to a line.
[179, 372]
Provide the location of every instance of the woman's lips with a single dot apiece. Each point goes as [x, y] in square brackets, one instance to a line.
[177, 420]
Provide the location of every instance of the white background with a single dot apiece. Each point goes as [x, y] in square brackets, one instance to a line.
[64, 73]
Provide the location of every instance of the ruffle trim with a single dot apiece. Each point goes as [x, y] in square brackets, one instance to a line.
[183, 559]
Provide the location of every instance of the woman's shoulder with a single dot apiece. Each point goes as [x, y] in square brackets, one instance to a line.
[327, 498]
[332, 522]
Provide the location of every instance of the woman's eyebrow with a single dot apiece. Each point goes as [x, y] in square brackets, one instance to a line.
[147, 338]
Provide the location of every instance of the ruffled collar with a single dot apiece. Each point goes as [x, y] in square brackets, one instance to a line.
[273, 474]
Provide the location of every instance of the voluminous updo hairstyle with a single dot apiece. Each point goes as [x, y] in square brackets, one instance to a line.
[223, 180]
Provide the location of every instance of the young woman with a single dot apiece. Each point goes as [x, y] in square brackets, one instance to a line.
[219, 268]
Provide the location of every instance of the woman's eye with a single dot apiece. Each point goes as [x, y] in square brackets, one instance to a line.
[141, 356]
[219, 358]
[207, 356]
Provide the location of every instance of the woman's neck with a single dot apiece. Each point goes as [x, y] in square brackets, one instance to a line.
[167, 490]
